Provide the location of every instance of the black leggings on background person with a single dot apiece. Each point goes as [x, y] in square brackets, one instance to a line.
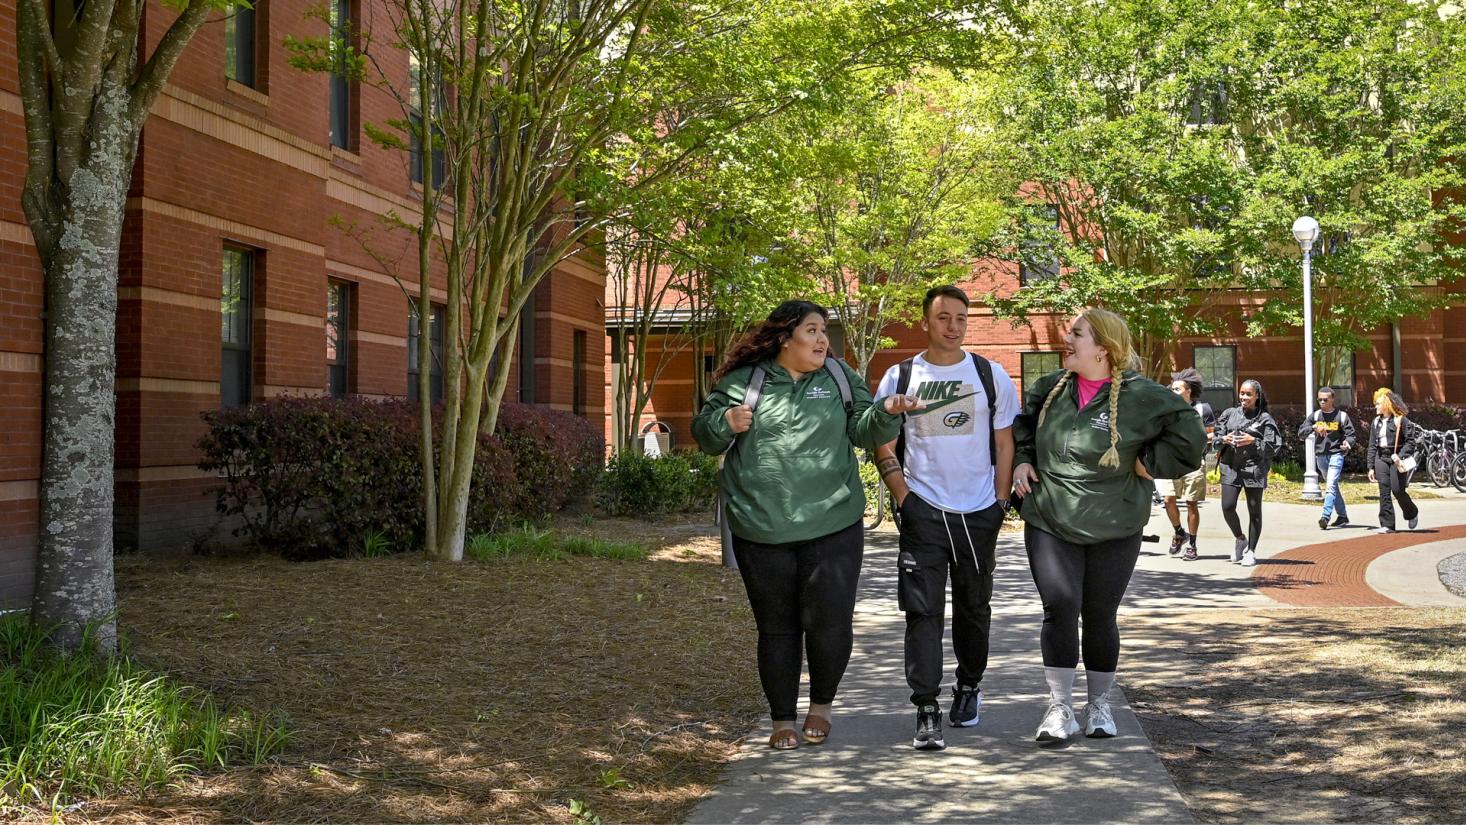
[803, 599]
[1080, 581]
[1230, 494]
[1393, 482]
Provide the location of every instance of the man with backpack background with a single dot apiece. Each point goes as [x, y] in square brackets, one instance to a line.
[950, 473]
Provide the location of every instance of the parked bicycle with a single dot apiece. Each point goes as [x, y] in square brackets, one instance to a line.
[1458, 472]
[1439, 451]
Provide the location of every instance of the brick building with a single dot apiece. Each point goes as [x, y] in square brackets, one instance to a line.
[237, 281]
[1424, 357]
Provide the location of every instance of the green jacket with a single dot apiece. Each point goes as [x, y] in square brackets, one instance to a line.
[792, 476]
[1075, 498]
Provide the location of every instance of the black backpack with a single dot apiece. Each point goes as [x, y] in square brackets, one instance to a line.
[984, 374]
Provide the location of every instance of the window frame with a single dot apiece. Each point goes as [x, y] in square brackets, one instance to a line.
[343, 88]
[1025, 379]
[239, 366]
[1211, 387]
[338, 370]
[579, 345]
[1030, 272]
[437, 313]
[241, 45]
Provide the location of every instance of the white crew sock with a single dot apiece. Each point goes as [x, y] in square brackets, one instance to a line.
[1061, 684]
[1099, 684]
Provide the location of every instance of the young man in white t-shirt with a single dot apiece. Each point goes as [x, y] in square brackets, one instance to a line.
[951, 486]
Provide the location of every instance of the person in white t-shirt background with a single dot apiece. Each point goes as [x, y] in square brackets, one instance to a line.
[950, 474]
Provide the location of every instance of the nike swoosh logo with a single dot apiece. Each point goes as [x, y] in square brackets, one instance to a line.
[940, 404]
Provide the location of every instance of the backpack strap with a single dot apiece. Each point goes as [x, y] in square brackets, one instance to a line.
[751, 394]
[985, 374]
[903, 383]
[837, 372]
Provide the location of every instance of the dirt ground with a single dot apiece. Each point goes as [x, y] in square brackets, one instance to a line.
[1307, 715]
[477, 692]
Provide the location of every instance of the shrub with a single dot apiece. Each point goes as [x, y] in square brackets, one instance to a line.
[635, 484]
[314, 477]
[556, 456]
[80, 723]
[319, 477]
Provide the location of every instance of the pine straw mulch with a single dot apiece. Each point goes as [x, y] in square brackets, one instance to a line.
[424, 692]
[1306, 715]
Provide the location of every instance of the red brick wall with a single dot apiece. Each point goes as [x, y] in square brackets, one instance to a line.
[222, 164]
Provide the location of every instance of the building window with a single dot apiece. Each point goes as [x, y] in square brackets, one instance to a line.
[342, 87]
[1207, 104]
[577, 403]
[338, 348]
[239, 45]
[435, 342]
[415, 163]
[527, 346]
[1218, 368]
[1341, 379]
[1038, 257]
[234, 311]
[1038, 364]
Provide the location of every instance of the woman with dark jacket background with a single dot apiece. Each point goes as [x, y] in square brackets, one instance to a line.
[1392, 441]
[1247, 438]
[796, 506]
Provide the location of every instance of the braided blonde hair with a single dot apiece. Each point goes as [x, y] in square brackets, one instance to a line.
[1112, 334]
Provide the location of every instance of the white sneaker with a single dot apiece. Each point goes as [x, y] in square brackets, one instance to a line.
[1058, 724]
[1238, 548]
[1381, 529]
[1099, 720]
[1415, 522]
[1249, 559]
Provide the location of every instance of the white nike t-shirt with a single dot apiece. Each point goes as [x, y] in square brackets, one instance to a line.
[947, 461]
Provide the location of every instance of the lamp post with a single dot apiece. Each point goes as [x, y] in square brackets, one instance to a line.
[1305, 230]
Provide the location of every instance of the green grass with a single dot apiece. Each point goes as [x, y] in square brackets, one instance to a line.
[526, 541]
[81, 724]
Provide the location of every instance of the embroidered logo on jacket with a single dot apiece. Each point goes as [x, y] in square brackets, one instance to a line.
[817, 392]
[1101, 422]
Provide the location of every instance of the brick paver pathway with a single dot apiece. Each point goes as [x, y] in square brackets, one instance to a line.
[1331, 574]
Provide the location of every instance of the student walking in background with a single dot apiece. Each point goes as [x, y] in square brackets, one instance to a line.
[1089, 440]
[1333, 434]
[1392, 459]
[1247, 439]
[1190, 488]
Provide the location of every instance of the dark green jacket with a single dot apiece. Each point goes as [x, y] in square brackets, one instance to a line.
[793, 476]
[1075, 498]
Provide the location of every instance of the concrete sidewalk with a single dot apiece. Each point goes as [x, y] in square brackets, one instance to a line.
[995, 772]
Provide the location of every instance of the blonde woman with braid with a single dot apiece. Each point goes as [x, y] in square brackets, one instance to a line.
[1090, 439]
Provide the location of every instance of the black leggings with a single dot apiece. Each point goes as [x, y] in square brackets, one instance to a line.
[1080, 580]
[803, 596]
[1254, 512]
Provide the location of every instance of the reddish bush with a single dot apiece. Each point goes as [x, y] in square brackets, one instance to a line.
[314, 477]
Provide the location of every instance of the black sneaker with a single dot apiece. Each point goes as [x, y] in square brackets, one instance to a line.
[966, 703]
[928, 728]
[1340, 522]
[1323, 522]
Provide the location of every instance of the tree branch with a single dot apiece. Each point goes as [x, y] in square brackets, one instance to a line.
[154, 73]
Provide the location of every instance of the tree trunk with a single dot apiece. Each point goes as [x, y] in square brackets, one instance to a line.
[74, 579]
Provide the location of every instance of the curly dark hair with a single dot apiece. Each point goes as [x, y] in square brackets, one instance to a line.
[765, 340]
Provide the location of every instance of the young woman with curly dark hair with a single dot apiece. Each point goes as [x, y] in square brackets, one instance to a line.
[795, 501]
